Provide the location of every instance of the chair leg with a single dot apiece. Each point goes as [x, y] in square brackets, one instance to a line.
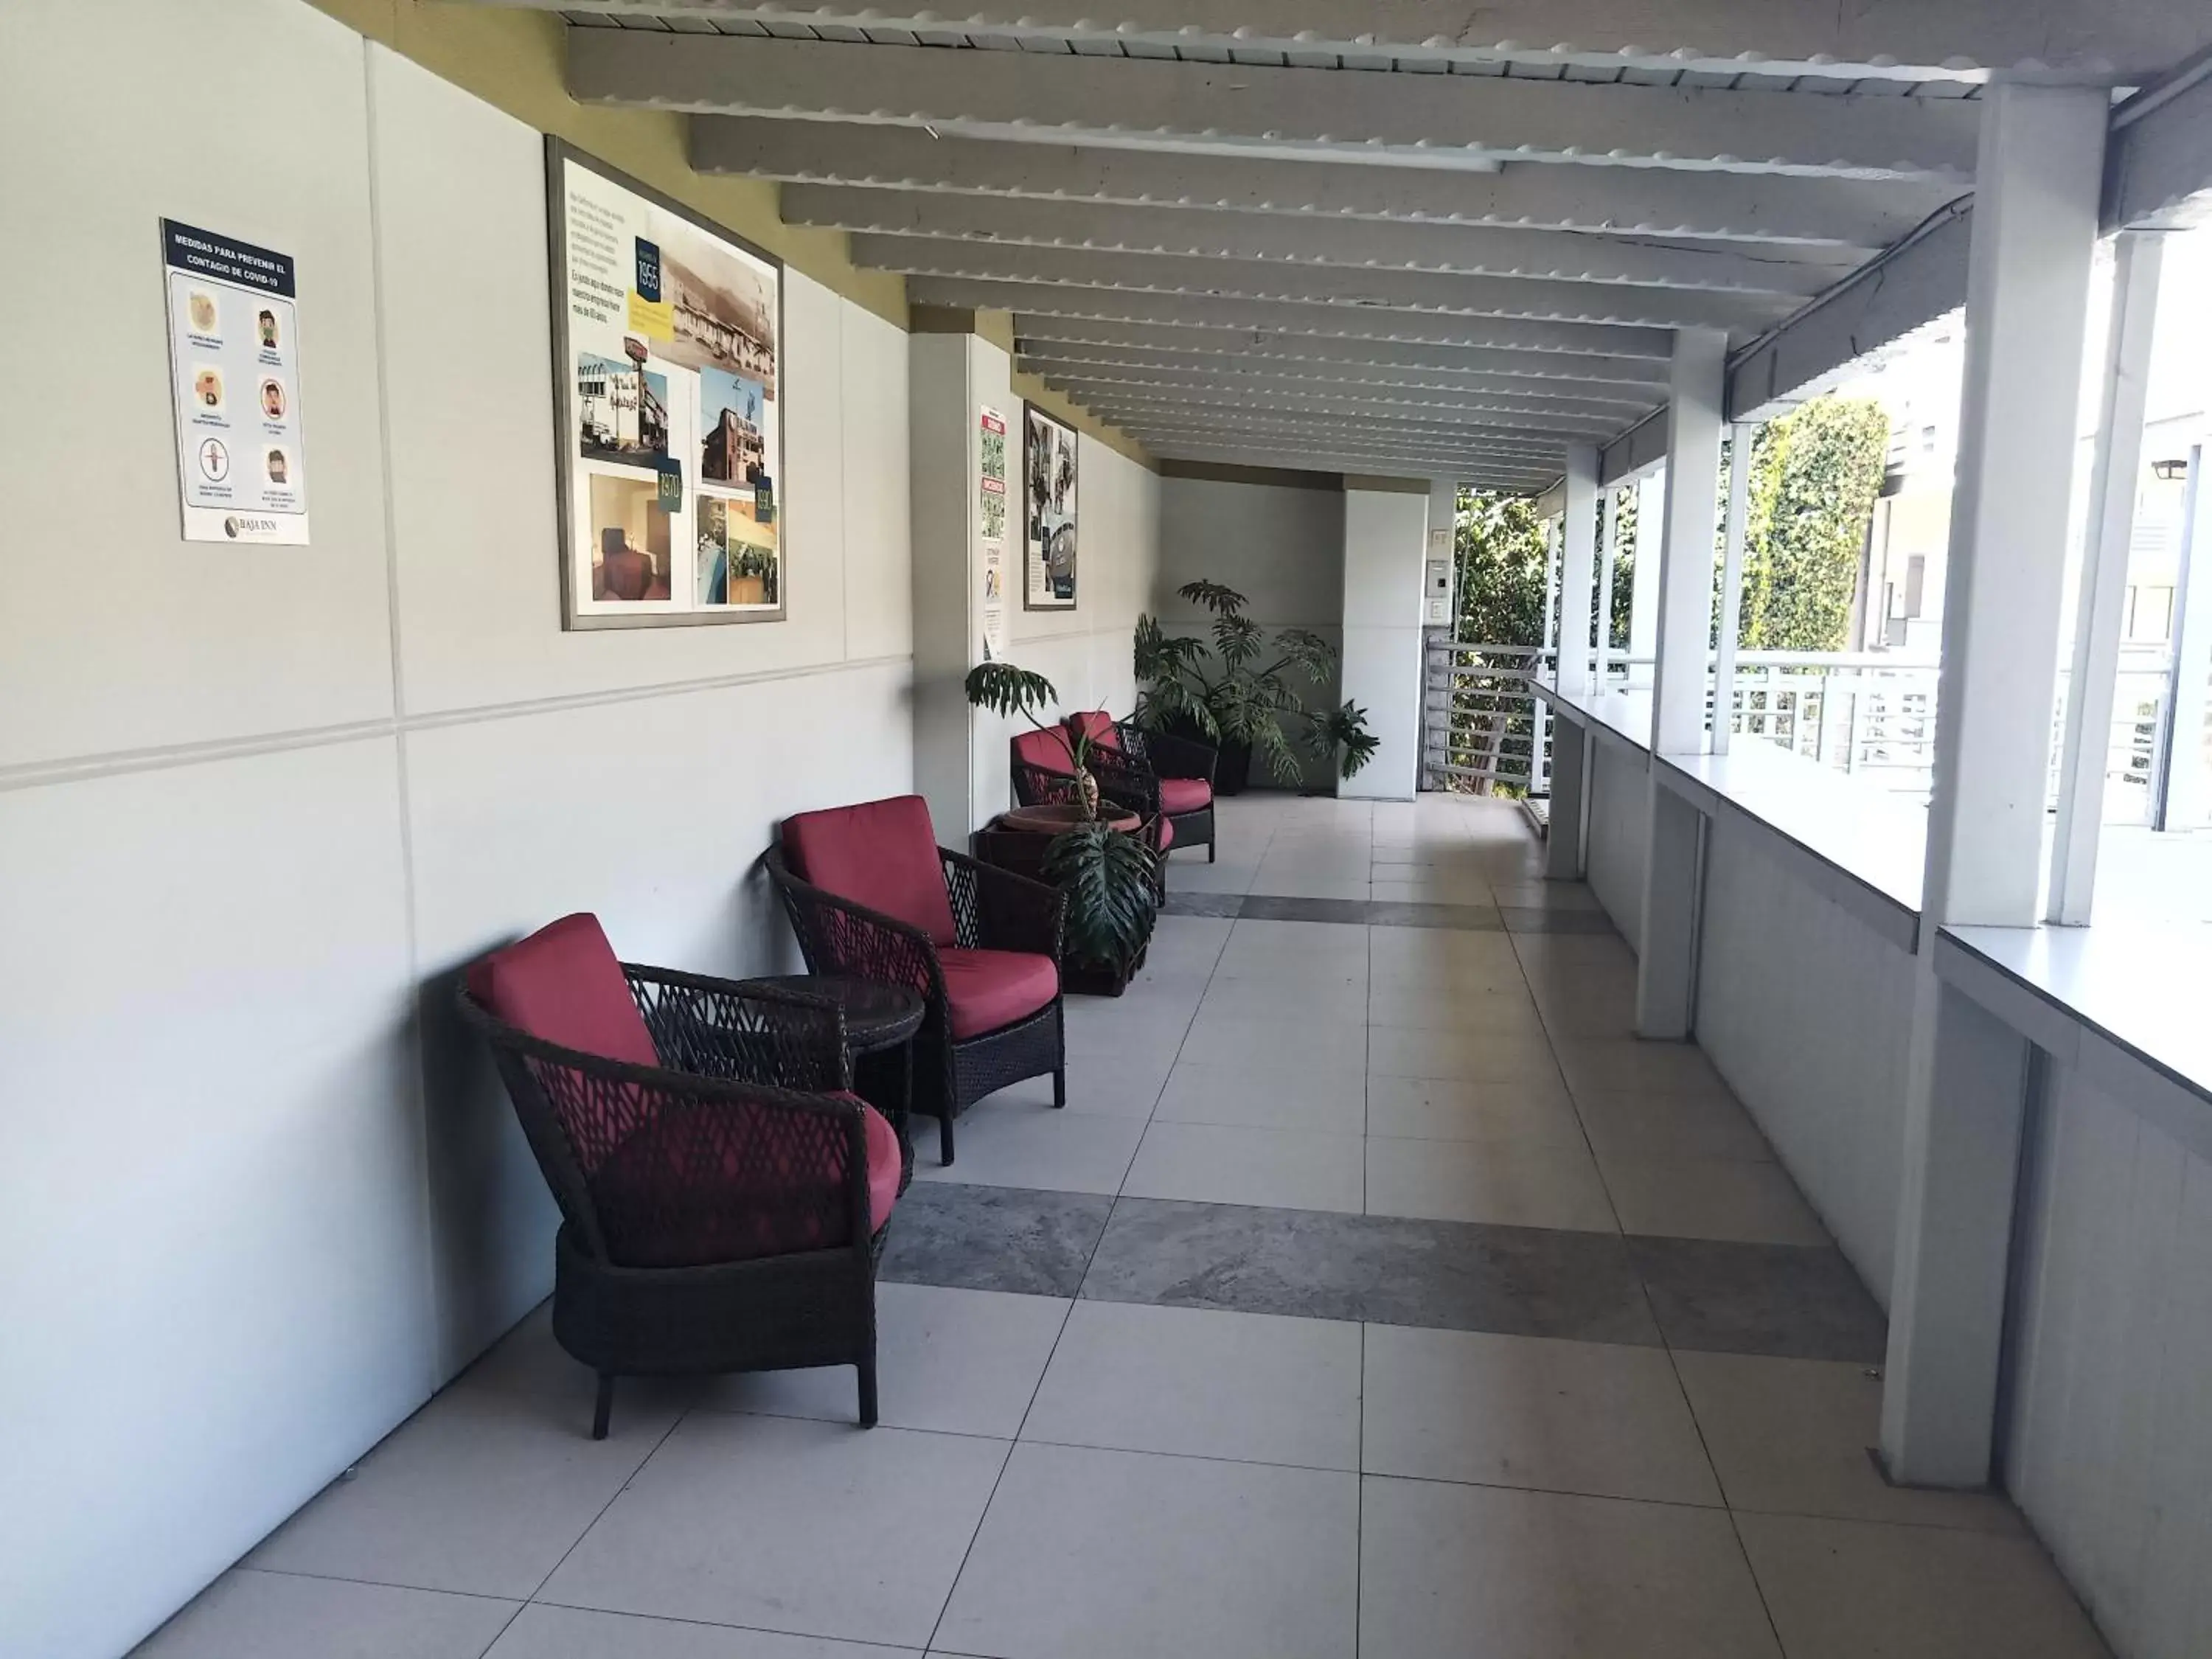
[604, 1408]
[1059, 1085]
[1209, 852]
[867, 1369]
[945, 1137]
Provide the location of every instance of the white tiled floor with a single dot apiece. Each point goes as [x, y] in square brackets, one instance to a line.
[1089, 1480]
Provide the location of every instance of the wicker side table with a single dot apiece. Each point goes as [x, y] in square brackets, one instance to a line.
[877, 1018]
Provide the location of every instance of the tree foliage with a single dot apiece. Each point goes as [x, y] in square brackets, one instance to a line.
[1815, 475]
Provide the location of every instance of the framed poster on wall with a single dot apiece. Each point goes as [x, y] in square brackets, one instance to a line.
[667, 374]
[1047, 512]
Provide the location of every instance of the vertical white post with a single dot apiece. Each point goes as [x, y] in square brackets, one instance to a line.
[1644, 581]
[2099, 617]
[2036, 189]
[2186, 791]
[1666, 965]
[1602, 677]
[1741, 435]
[1551, 639]
[1685, 557]
[1383, 666]
[1578, 573]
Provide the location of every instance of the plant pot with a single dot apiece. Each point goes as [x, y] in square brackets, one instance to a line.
[1232, 769]
[1051, 820]
[1232, 761]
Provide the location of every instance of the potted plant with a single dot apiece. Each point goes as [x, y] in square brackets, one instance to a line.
[1235, 691]
[1102, 859]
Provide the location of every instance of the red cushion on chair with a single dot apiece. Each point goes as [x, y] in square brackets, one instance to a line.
[1049, 751]
[1185, 794]
[990, 988]
[688, 1190]
[1165, 838]
[1097, 724]
[562, 985]
[882, 854]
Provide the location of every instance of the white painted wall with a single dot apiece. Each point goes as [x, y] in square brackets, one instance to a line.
[963, 759]
[1619, 836]
[1385, 544]
[2110, 1447]
[1281, 545]
[254, 799]
[1808, 1013]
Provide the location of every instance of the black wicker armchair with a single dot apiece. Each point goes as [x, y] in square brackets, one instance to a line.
[872, 895]
[723, 1196]
[1180, 771]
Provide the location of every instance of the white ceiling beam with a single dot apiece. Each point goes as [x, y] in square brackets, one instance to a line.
[1524, 298]
[2159, 171]
[1303, 456]
[1246, 459]
[1159, 104]
[1036, 299]
[1843, 215]
[1343, 427]
[2116, 41]
[1563, 256]
[1088, 337]
[1499, 391]
[1921, 280]
[1402, 401]
[1307, 450]
[1507, 430]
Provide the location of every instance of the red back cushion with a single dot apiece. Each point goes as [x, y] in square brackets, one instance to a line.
[882, 854]
[1097, 724]
[1049, 751]
[562, 985]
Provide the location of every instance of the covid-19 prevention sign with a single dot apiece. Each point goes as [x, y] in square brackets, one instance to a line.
[234, 368]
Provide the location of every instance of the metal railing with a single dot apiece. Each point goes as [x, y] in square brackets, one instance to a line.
[1868, 714]
[1482, 729]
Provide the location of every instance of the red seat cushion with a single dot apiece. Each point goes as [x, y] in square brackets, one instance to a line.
[563, 985]
[1165, 838]
[1185, 794]
[733, 1182]
[1049, 751]
[1097, 724]
[882, 854]
[987, 989]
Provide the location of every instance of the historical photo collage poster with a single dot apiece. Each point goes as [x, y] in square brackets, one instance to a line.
[234, 370]
[1048, 512]
[671, 435]
[991, 516]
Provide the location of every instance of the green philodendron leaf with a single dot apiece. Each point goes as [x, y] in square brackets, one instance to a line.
[1213, 595]
[1006, 689]
[1107, 875]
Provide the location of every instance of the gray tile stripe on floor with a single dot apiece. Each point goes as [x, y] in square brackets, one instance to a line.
[1781, 1301]
[1387, 912]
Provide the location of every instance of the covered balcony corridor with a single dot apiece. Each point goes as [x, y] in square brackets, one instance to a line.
[1376, 1293]
[1754, 1216]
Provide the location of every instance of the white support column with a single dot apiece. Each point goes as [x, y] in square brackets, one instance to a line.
[1685, 558]
[1385, 539]
[1601, 677]
[1578, 573]
[2100, 616]
[2037, 185]
[1644, 581]
[2185, 790]
[1571, 763]
[1666, 966]
[1547, 639]
[1742, 435]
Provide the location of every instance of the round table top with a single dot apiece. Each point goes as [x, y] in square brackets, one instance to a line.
[876, 1015]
